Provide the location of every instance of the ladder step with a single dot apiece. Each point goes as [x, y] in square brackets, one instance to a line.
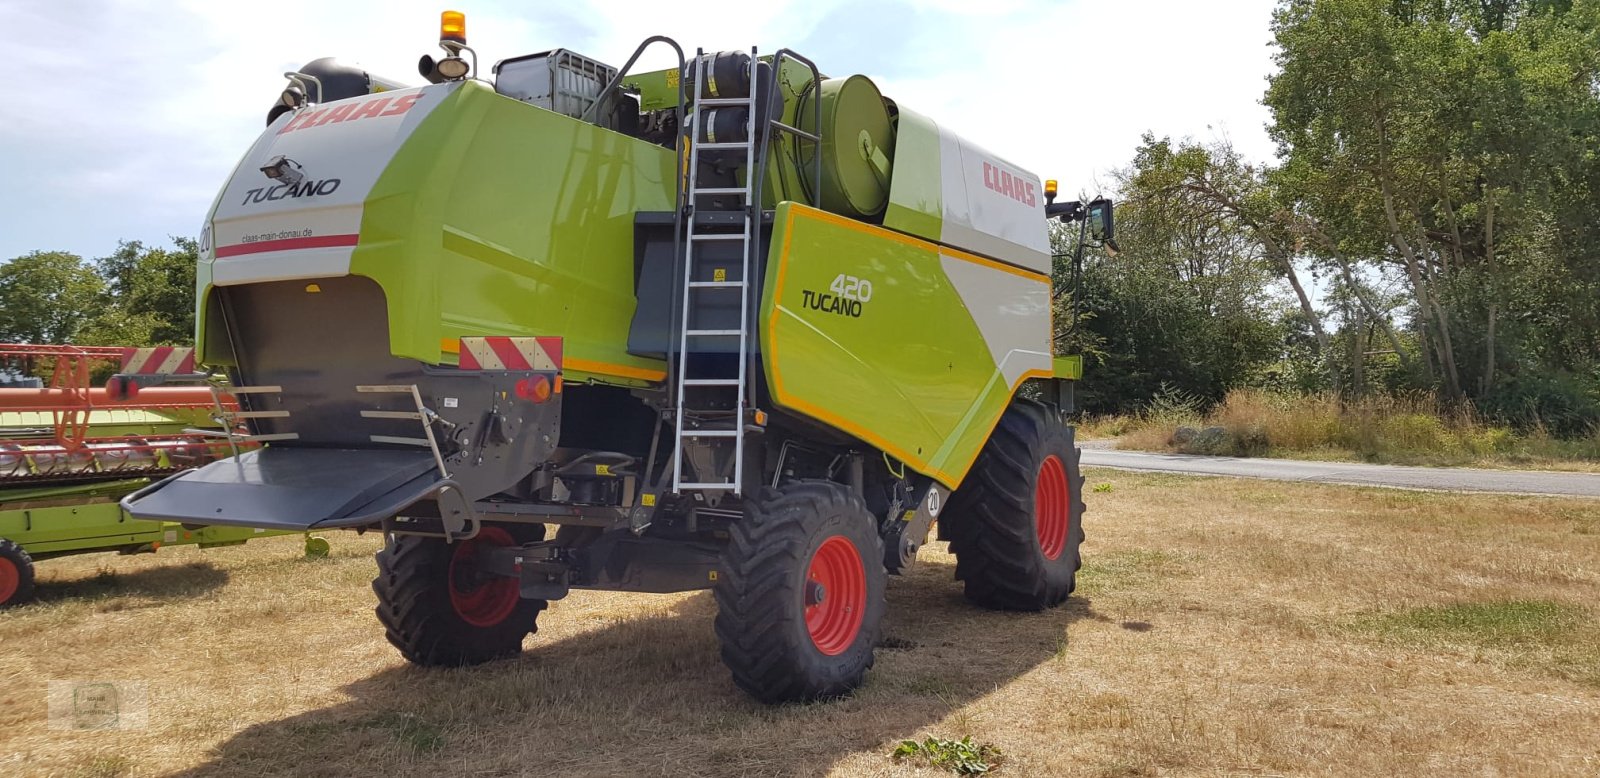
[716, 146]
[716, 284]
[423, 442]
[391, 415]
[711, 433]
[717, 236]
[713, 333]
[711, 382]
[267, 438]
[236, 390]
[721, 190]
[712, 102]
[720, 486]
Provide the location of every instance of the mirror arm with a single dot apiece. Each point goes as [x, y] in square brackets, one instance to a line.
[1070, 211]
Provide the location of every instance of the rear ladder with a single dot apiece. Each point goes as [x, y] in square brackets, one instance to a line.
[692, 424]
[695, 419]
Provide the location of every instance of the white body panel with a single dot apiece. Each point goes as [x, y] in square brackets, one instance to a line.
[1011, 310]
[263, 230]
[991, 206]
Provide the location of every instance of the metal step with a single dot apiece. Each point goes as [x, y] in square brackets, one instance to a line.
[711, 382]
[711, 433]
[257, 414]
[713, 102]
[713, 333]
[715, 284]
[722, 190]
[717, 236]
[238, 390]
[718, 487]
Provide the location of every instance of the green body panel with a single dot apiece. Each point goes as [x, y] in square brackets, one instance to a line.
[207, 352]
[912, 374]
[500, 218]
[658, 90]
[916, 200]
[1069, 367]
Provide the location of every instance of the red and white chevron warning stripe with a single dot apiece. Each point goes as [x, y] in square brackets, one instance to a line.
[507, 353]
[158, 360]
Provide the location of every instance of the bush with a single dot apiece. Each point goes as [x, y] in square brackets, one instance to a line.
[1412, 427]
[1565, 404]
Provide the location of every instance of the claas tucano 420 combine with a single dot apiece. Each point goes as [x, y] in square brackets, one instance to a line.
[734, 325]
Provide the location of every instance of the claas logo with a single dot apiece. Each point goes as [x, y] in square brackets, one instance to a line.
[1013, 186]
[351, 111]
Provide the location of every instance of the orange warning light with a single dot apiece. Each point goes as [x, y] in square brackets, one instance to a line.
[453, 27]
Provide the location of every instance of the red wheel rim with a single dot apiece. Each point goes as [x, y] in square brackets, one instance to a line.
[1052, 500]
[835, 595]
[10, 579]
[481, 603]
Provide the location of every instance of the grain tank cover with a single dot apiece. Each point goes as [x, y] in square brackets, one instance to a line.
[857, 146]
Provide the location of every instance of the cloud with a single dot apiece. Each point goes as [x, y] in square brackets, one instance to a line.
[148, 105]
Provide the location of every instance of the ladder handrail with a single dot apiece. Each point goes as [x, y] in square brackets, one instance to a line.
[816, 132]
[623, 73]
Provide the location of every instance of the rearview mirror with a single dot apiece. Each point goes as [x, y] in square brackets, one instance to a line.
[1102, 222]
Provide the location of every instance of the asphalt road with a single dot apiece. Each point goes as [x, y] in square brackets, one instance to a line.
[1443, 479]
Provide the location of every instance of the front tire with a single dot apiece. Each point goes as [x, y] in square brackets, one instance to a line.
[16, 574]
[1016, 523]
[440, 612]
[800, 598]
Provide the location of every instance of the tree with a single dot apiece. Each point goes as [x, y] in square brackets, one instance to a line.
[1215, 182]
[1188, 304]
[1453, 140]
[48, 297]
[153, 288]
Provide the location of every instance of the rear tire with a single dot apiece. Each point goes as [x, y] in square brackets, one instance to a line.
[1016, 523]
[439, 613]
[16, 574]
[800, 598]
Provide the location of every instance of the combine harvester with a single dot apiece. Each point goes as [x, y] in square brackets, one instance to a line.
[732, 325]
[68, 453]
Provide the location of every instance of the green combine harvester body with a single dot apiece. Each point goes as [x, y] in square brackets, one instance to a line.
[685, 317]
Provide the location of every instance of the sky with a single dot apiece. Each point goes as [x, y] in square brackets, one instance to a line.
[126, 116]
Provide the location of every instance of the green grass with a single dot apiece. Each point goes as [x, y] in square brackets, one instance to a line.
[1128, 570]
[962, 757]
[1551, 637]
[1483, 624]
[414, 735]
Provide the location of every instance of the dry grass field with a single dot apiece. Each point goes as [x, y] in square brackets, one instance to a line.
[1222, 627]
